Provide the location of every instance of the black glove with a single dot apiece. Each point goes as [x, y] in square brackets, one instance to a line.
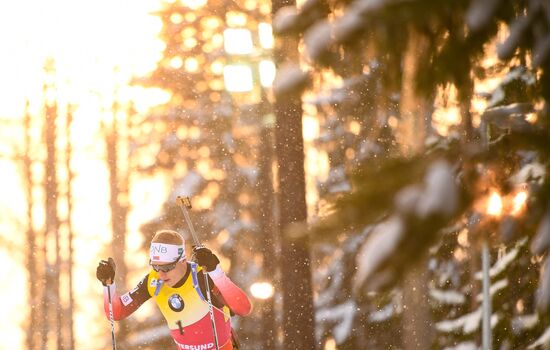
[106, 271]
[204, 257]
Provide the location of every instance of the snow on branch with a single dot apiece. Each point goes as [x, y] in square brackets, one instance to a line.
[341, 317]
[510, 116]
[518, 29]
[286, 20]
[543, 292]
[290, 80]
[541, 242]
[543, 340]
[437, 197]
[318, 40]
[481, 13]
[466, 324]
[495, 287]
[385, 313]
[524, 322]
[447, 297]
[378, 248]
[502, 263]
[467, 345]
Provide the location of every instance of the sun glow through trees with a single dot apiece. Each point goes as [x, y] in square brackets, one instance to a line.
[95, 48]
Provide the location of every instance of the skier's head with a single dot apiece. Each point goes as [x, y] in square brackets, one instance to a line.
[167, 256]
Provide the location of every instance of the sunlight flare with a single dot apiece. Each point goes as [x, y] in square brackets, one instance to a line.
[494, 205]
[262, 290]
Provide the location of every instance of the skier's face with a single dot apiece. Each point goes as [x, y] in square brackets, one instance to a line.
[171, 277]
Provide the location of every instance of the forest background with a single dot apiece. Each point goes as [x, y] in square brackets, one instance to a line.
[363, 158]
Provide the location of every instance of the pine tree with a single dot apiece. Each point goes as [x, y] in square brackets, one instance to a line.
[401, 190]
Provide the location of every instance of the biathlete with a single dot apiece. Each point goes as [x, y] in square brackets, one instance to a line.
[178, 288]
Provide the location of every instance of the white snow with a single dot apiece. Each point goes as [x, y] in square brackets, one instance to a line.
[529, 172]
[441, 193]
[515, 74]
[364, 7]
[407, 199]
[288, 79]
[466, 324]
[250, 173]
[337, 180]
[495, 287]
[348, 25]
[502, 263]
[521, 73]
[438, 196]
[285, 19]
[543, 291]
[524, 322]
[318, 39]
[468, 345]
[541, 242]
[543, 340]
[328, 98]
[383, 314]
[480, 13]
[328, 295]
[380, 245]
[369, 148]
[517, 30]
[448, 297]
[342, 316]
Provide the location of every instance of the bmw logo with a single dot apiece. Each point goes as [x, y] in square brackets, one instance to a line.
[176, 302]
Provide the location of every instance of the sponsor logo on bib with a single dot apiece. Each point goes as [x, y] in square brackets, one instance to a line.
[176, 302]
[195, 347]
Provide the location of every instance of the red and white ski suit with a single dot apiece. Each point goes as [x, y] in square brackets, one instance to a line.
[185, 308]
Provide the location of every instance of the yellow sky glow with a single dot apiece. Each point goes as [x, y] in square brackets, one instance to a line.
[97, 47]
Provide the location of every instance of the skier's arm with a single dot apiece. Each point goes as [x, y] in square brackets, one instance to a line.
[223, 288]
[235, 298]
[126, 304]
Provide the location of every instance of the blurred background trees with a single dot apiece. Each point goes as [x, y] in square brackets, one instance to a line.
[206, 142]
[397, 140]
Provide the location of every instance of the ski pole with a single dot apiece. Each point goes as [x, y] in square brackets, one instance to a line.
[185, 204]
[111, 318]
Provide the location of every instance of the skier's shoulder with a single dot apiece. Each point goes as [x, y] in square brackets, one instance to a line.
[151, 281]
[141, 288]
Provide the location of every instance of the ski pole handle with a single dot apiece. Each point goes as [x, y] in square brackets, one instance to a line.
[185, 204]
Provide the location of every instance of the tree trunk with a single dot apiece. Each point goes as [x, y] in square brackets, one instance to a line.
[265, 185]
[69, 310]
[51, 237]
[412, 106]
[413, 109]
[118, 208]
[32, 329]
[298, 317]
[417, 323]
